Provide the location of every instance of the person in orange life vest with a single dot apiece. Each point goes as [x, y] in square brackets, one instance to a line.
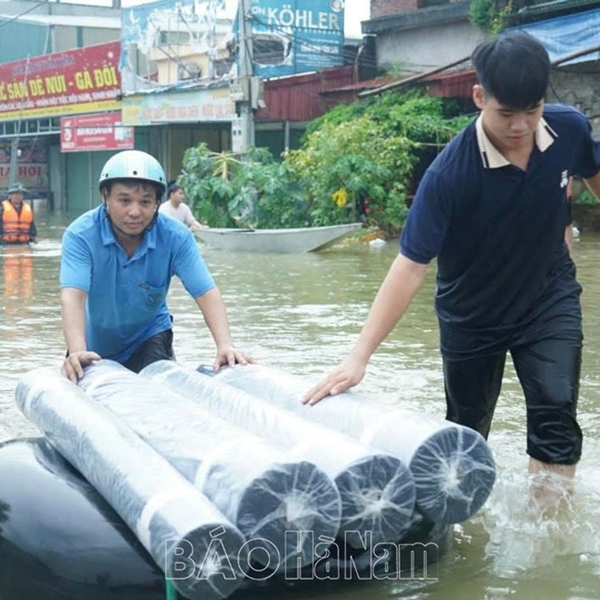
[16, 218]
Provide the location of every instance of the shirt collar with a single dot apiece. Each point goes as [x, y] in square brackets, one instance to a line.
[491, 156]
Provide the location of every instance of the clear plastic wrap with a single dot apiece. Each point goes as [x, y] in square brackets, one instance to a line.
[176, 524]
[376, 488]
[452, 466]
[279, 503]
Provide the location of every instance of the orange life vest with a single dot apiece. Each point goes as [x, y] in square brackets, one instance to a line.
[15, 226]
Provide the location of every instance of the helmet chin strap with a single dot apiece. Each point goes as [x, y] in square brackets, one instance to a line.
[105, 203]
[154, 218]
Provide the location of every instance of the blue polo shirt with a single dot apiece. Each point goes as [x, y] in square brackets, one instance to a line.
[126, 297]
[504, 271]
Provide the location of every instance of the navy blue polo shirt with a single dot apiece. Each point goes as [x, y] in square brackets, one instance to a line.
[126, 296]
[504, 272]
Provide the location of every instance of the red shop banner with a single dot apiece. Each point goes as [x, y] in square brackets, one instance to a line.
[86, 133]
[85, 80]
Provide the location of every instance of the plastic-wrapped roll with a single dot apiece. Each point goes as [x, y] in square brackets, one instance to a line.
[452, 466]
[376, 488]
[173, 521]
[280, 504]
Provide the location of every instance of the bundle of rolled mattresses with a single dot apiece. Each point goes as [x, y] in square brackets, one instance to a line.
[452, 466]
[376, 489]
[191, 461]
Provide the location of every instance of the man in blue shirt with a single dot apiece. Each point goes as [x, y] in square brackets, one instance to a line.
[492, 208]
[117, 262]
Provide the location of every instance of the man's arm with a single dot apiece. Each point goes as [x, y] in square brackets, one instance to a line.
[569, 237]
[197, 225]
[213, 310]
[402, 282]
[73, 322]
[191, 221]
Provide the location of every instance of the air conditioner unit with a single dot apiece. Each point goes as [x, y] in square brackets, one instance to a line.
[188, 70]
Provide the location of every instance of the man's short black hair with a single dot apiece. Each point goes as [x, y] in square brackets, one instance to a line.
[513, 68]
[173, 187]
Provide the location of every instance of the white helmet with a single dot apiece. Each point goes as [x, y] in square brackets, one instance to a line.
[133, 164]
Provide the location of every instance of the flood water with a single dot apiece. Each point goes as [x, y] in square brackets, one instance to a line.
[301, 314]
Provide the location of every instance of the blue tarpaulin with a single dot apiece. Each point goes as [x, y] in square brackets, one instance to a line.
[566, 35]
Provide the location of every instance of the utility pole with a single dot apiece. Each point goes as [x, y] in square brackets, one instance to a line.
[14, 157]
[245, 126]
[14, 145]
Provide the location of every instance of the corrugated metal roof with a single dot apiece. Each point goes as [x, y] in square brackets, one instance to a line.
[298, 98]
[367, 84]
[458, 84]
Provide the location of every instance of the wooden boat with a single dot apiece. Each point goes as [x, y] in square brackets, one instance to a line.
[298, 240]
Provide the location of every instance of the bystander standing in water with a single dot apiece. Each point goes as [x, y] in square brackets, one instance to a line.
[17, 225]
[176, 207]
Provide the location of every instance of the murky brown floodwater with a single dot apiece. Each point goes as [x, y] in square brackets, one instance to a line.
[301, 313]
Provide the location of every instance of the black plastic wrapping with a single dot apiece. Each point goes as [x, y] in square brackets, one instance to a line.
[278, 502]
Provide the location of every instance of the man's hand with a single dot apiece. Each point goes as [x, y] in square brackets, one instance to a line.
[73, 365]
[349, 372]
[197, 226]
[229, 355]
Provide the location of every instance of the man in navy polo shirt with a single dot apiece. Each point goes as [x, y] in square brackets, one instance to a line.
[492, 208]
[117, 262]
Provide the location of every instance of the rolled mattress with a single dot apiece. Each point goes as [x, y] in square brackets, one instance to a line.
[376, 489]
[60, 540]
[452, 466]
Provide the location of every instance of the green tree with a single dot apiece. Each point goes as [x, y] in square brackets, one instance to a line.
[226, 191]
[358, 161]
[351, 168]
[368, 152]
[492, 16]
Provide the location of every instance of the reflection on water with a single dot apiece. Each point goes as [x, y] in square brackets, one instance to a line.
[301, 314]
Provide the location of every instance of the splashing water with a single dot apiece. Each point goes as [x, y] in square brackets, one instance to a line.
[527, 533]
